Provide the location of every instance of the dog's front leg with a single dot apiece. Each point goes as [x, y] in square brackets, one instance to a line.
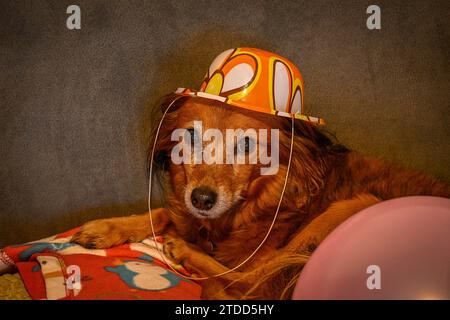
[313, 233]
[105, 233]
[192, 257]
[203, 265]
[278, 276]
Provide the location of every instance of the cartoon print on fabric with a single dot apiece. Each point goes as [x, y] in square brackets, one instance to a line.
[145, 276]
[146, 257]
[41, 247]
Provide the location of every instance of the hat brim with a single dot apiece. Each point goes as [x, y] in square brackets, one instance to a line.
[194, 93]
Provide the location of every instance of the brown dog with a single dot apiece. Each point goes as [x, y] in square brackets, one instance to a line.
[217, 214]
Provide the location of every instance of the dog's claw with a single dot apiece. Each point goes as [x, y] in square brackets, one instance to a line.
[175, 249]
[312, 247]
[90, 245]
[98, 234]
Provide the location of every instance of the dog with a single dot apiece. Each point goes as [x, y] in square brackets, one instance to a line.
[216, 215]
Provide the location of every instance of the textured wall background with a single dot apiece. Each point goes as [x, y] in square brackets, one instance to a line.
[75, 105]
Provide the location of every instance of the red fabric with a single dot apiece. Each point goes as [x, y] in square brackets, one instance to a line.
[130, 271]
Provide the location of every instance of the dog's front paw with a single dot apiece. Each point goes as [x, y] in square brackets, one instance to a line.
[176, 249]
[100, 234]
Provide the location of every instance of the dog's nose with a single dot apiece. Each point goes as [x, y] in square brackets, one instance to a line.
[203, 198]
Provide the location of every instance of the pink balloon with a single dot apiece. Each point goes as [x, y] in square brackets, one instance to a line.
[396, 249]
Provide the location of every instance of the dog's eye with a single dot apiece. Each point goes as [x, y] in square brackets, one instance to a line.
[245, 145]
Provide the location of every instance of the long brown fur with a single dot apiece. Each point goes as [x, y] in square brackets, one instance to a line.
[327, 184]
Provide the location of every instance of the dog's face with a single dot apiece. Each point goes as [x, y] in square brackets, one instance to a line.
[214, 189]
[213, 186]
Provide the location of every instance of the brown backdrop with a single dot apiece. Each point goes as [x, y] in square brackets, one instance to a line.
[74, 105]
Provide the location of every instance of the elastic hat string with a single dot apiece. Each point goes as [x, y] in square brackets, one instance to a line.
[268, 231]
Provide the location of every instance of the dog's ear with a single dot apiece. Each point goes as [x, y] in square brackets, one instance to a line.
[167, 100]
[161, 160]
[323, 140]
[161, 155]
